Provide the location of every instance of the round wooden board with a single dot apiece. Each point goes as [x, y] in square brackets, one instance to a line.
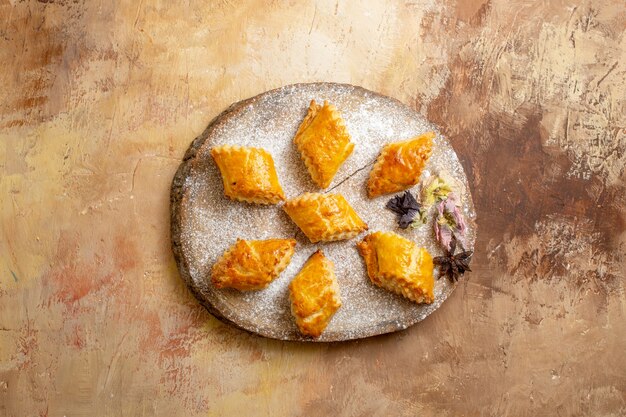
[204, 223]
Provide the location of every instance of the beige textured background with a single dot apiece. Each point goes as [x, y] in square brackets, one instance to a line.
[100, 99]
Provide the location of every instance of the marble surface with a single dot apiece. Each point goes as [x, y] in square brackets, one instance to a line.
[99, 100]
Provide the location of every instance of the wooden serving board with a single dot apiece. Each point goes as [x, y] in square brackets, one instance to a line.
[204, 223]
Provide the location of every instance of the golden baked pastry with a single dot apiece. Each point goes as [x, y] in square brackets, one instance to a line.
[323, 142]
[400, 165]
[398, 265]
[252, 264]
[248, 174]
[314, 295]
[324, 217]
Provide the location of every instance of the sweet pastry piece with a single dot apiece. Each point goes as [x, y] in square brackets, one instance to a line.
[324, 217]
[323, 142]
[252, 264]
[400, 165]
[248, 174]
[314, 295]
[398, 265]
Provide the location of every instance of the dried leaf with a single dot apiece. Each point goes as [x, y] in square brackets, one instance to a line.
[406, 207]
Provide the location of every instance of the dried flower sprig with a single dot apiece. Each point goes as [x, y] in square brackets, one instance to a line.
[449, 223]
[435, 189]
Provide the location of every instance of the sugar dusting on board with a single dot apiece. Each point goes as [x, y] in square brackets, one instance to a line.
[210, 223]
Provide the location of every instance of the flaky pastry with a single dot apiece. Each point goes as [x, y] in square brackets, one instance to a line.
[323, 142]
[399, 165]
[248, 174]
[314, 295]
[324, 217]
[398, 265]
[252, 264]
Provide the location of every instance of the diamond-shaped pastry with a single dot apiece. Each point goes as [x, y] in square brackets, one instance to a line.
[252, 264]
[399, 165]
[248, 174]
[324, 217]
[323, 142]
[314, 295]
[398, 265]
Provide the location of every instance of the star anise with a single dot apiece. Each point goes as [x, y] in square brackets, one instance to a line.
[451, 265]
